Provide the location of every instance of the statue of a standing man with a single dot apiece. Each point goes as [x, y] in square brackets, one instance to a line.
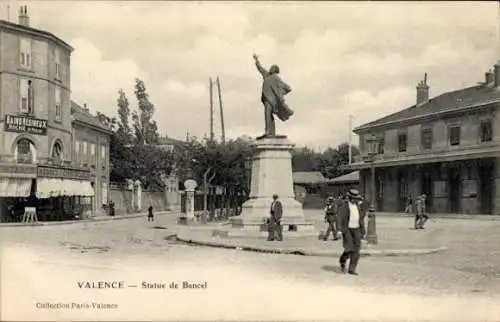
[273, 96]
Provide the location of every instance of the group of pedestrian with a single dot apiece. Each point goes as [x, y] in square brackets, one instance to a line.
[421, 216]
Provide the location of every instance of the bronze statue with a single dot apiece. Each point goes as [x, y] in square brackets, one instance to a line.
[273, 97]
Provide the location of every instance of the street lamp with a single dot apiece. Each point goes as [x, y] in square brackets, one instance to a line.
[371, 235]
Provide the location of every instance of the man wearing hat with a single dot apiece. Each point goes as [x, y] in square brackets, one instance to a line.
[421, 215]
[274, 227]
[331, 218]
[352, 225]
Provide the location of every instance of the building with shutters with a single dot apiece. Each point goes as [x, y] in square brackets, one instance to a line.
[447, 147]
[39, 166]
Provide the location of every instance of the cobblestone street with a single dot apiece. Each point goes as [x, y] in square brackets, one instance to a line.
[135, 249]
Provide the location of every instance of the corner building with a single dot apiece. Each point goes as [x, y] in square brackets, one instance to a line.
[36, 137]
[447, 147]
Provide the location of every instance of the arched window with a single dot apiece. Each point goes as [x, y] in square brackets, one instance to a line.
[57, 152]
[25, 151]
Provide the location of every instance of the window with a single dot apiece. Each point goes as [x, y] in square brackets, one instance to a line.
[486, 131]
[381, 145]
[58, 104]
[103, 154]
[427, 138]
[84, 148]
[57, 153]
[455, 135]
[77, 150]
[25, 53]
[402, 140]
[26, 96]
[92, 153]
[25, 151]
[57, 59]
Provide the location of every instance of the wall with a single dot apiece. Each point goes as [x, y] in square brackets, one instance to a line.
[99, 160]
[43, 76]
[123, 200]
[469, 135]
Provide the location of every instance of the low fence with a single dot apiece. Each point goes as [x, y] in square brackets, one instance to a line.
[219, 206]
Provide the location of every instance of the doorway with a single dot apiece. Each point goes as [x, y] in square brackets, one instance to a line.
[485, 174]
[454, 185]
[426, 187]
[403, 192]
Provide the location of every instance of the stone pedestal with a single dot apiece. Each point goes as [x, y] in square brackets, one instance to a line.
[271, 173]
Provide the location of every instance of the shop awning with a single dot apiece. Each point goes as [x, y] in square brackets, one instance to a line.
[15, 187]
[50, 187]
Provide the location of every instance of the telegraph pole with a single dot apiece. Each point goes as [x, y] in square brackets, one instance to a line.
[350, 139]
[221, 112]
[211, 111]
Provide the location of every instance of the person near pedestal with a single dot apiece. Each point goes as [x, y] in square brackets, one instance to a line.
[421, 215]
[150, 213]
[352, 225]
[331, 219]
[274, 227]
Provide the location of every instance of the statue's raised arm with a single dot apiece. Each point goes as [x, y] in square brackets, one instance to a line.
[261, 69]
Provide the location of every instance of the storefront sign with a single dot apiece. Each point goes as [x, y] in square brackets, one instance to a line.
[25, 124]
[63, 173]
[17, 171]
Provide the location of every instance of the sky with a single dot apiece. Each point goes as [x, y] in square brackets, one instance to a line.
[340, 58]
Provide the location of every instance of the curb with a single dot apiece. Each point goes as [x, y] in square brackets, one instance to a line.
[83, 221]
[303, 252]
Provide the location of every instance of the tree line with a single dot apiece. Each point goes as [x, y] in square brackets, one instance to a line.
[135, 153]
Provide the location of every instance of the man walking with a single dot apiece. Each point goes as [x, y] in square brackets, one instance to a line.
[274, 227]
[352, 226]
[331, 219]
[421, 215]
[150, 213]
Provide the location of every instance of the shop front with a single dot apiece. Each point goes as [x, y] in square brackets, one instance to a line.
[16, 188]
[63, 193]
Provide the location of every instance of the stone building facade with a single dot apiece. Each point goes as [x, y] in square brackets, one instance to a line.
[37, 126]
[447, 147]
[91, 143]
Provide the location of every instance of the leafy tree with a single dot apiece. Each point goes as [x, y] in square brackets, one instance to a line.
[331, 162]
[145, 128]
[226, 162]
[124, 131]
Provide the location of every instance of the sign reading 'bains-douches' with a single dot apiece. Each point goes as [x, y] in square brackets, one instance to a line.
[25, 124]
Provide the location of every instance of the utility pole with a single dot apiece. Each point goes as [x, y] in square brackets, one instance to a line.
[221, 112]
[211, 111]
[350, 139]
[8, 13]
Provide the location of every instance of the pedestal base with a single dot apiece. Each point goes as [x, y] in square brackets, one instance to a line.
[272, 174]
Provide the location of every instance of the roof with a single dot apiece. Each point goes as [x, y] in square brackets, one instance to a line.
[31, 30]
[308, 177]
[350, 177]
[468, 97]
[81, 115]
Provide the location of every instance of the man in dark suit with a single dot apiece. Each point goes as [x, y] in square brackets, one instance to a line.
[352, 225]
[331, 218]
[274, 228]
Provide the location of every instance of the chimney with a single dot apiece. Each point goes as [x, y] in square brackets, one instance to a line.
[24, 19]
[490, 78]
[422, 91]
[497, 74]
